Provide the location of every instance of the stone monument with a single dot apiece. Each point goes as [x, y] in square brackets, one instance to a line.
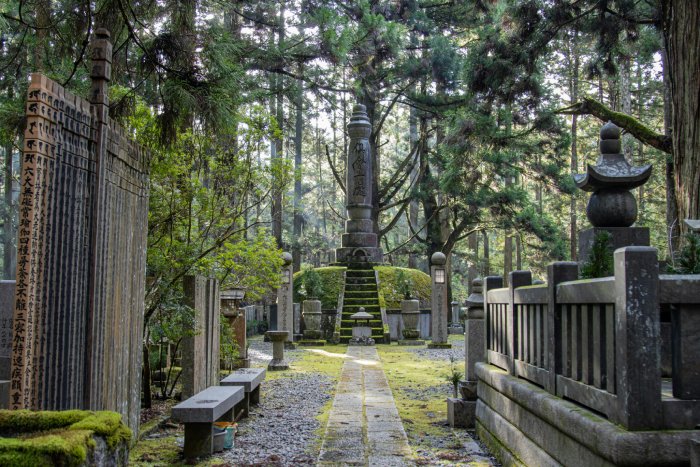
[200, 349]
[438, 299]
[7, 307]
[612, 208]
[285, 303]
[359, 242]
[81, 252]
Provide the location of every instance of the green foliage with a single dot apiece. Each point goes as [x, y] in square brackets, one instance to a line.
[390, 294]
[228, 347]
[331, 283]
[404, 284]
[57, 438]
[600, 259]
[313, 288]
[688, 260]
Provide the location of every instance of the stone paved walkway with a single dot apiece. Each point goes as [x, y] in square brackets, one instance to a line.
[364, 427]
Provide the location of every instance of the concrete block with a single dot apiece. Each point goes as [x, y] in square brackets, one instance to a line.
[461, 413]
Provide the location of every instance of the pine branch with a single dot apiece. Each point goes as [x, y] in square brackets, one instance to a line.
[630, 124]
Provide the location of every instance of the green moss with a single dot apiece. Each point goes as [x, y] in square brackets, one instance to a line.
[56, 438]
[331, 284]
[390, 295]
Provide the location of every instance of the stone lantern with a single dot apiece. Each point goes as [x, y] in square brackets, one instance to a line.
[361, 328]
[612, 207]
[438, 300]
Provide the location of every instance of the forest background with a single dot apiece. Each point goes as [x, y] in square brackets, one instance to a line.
[481, 111]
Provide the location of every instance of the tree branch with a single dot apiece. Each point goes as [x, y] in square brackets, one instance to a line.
[630, 124]
[333, 169]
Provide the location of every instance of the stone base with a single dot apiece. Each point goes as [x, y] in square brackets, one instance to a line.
[411, 342]
[278, 366]
[312, 343]
[619, 237]
[522, 424]
[455, 329]
[439, 345]
[361, 341]
[461, 413]
[199, 440]
[359, 255]
[312, 335]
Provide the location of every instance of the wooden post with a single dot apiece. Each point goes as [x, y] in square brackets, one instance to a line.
[557, 273]
[637, 335]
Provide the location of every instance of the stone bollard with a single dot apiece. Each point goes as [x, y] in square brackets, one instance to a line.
[438, 275]
[461, 413]
[278, 339]
[285, 305]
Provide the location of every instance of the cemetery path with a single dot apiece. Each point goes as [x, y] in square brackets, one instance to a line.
[364, 427]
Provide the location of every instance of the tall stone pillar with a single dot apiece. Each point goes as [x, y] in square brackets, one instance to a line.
[359, 242]
[439, 305]
[285, 305]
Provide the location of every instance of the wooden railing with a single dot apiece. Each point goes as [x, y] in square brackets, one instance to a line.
[597, 342]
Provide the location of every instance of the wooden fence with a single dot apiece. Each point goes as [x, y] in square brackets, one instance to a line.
[598, 342]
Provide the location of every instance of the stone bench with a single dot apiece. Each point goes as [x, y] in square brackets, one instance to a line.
[249, 379]
[199, 413]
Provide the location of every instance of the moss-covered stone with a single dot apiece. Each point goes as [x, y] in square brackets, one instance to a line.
[57, 438]
[331, 285]
[390, 295]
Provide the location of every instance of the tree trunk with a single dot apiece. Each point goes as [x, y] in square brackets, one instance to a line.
[486, 269]
[147, 397]
[276, 208]
[672, 227]
[681, 26]
[574, 62]
[298, 135]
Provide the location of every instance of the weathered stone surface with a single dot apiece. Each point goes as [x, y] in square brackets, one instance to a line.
[461, 413]
[278, 338]
[209, 405]
[474, 345]
[439, 304]
[511, 408]
[248, 378]
[200, 350]
[285, 302]
[79, 300]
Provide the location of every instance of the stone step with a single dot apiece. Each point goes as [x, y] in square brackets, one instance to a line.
[360, 280]
[361, 300]
[360, 273]
[361, 288]
[360, 294]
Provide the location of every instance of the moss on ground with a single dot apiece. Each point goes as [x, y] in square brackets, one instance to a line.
[419, 389]
[389, 295]
[331, 281]
[56, 438]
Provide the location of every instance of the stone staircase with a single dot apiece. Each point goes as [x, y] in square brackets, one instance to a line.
[361, 291]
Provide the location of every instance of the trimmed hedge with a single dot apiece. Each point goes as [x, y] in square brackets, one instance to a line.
[331, 280]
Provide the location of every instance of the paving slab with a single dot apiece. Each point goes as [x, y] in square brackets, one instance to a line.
[364, 427]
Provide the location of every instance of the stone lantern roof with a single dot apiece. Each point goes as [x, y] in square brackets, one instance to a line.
[612, 169]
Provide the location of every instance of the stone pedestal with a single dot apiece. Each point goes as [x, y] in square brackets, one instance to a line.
[619, 237]
[461, 413]
[312, 319]
[278, 339]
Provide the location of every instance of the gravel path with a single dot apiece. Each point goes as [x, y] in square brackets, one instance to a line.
[280, 431]
[456, 353]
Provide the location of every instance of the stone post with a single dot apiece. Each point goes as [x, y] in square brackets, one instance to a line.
[278, 338]
[7, 308]
[637, 335]
[285, 304]
[490, 283]
[462, 412]
[556, 273]
[438, 276]
[515, 279]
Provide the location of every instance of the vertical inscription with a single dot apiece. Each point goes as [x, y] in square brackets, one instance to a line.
[360, 167]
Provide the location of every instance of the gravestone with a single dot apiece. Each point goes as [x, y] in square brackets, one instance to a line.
[81, 262]
[200, 351]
